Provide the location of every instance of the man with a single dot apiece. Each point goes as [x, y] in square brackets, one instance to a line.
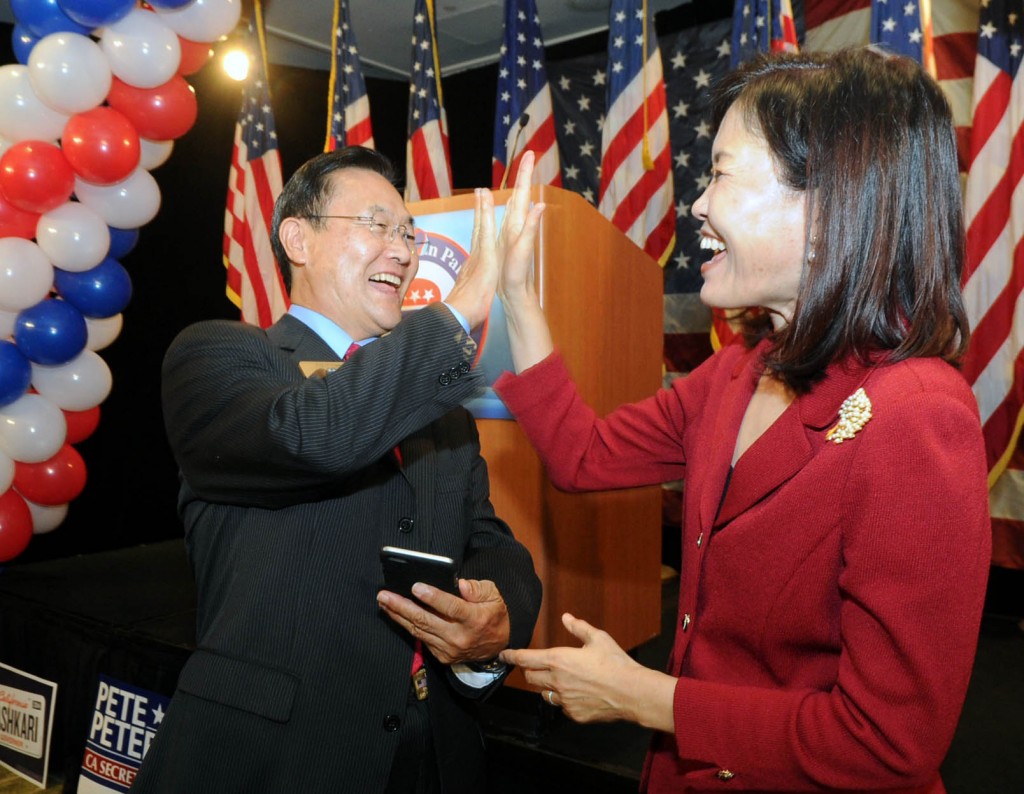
[299, 461]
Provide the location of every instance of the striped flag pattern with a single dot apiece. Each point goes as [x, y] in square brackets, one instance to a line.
[751, 32]
[694, 58]
[523, 100]
[832, 24]
[636, 191]
[348, 111]
[994, 277]
[254, 282]
[427, 160]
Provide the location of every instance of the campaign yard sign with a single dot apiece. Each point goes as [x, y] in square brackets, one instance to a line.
[26, 723]
[124, 721]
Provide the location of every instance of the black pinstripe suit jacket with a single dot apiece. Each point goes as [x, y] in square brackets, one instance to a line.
[288, 491]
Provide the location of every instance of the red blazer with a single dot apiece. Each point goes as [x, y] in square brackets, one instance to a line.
[829, 605]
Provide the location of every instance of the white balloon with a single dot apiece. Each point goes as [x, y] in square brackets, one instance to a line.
[26, 275]
[203, 20]
[73, 236]
[128, 204]
[102, 331]
[69, 72]
[82, 383]
[4, 145]
[7, 320]
[141, 50]
[32, 429]
[46, 518]
[23, 115]
[153, 153]
[6, 472]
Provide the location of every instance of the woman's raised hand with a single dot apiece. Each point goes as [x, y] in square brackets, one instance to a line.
[529, 337]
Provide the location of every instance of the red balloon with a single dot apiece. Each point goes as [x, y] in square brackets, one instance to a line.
[16, 222]
[15, 525]
[194, 55]
[81, 424]
[52, 482]
[35, 176]
[101, 145]
[158, 114]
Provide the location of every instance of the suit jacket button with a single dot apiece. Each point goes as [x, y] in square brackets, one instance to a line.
[445, 379]
[454, 373]
[463, 367]
[392, 722]
[405, 525]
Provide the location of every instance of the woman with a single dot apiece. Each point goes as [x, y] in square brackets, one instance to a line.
[835, 517]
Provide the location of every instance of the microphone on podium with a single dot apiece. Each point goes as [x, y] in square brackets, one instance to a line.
[523, 121]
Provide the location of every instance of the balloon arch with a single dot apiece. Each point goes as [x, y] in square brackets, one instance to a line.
[93, 105]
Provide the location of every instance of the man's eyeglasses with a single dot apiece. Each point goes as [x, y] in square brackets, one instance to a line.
[385, 231]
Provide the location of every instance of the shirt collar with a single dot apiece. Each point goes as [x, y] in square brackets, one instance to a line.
[326, 329]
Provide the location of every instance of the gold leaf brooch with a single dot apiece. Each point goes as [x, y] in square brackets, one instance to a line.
[854, 413]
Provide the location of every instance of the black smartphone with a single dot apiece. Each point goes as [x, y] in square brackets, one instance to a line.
[404, 567]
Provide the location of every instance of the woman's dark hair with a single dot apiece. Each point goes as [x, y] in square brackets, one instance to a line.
[308, 191]
[869, 137]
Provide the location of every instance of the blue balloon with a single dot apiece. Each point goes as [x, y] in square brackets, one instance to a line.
[15, 373]
[43, 17]
[169, 4]
[97, 13]
[52, 332]
[122, 241]
[101, 291]
[22, 42]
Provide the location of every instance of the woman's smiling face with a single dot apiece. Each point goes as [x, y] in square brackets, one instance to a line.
[754, 225]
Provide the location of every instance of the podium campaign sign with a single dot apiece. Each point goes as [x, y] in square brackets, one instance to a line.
[443, 240]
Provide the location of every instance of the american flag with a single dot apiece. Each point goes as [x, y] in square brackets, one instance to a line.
[994, 276]
[523, 107]
[348, 114]
[751, 32]
[254, 282]
[694, 58]
[832, 24]
[904, 28]
[427, 161]
[636, 191]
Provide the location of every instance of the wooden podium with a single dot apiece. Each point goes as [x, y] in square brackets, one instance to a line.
[599, 554]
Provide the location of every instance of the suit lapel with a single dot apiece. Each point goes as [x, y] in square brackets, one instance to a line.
[789, 444]
[733, 403]
[780, 452]
[300, 341]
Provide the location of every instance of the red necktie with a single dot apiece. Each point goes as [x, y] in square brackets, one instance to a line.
[348, 353]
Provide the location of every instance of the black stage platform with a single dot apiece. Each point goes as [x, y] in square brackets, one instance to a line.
[129, 614]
